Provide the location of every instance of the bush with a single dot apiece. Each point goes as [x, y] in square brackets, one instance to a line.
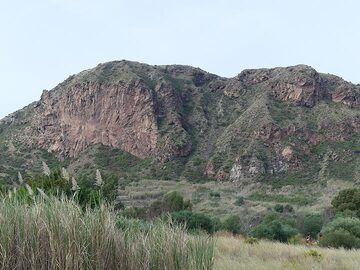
[314, 254]
[312, 225]
[251, 241]
[232, 224]
[339, 238]
[341, 232]
[296, 240]
[279, 208]
[239, 201]
[215, 194]
[173, 201]
[288, 209]
[194, 221]
[347, 199]
[274, 227]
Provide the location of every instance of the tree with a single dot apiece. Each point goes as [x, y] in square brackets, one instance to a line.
[239, 201]
[232, 224]
[341, 232]
[312, 225]
[193, 221]
[347, 199]
[279, 208]
[274, 227]
[173, 201]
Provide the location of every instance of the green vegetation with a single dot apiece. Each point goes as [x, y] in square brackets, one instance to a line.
[239, 201]
[194, 221]
[232, 224]
[57, 234]
[341, 232]
[348, 200]
[312, 225]
[275, 227]
[298, 199]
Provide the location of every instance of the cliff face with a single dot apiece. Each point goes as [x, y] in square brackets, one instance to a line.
[261, 122]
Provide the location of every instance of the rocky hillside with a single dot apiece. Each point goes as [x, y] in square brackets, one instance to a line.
[281, 126]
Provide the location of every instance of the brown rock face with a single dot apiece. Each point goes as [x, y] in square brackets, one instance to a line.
[300, 84]
[348, 96]
[237, 128]
[118, 115]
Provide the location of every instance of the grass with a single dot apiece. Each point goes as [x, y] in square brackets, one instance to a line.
[235, 254]
[58, 234]
[294, 199]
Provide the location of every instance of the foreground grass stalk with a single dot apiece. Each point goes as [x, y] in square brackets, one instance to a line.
[57, 234]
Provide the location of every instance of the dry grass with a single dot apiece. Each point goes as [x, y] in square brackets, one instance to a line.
[233, 253]
[58, 234]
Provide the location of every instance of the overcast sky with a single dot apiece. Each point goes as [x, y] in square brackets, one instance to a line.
[44, 41]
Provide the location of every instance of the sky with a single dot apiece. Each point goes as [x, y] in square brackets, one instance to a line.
[42, 42]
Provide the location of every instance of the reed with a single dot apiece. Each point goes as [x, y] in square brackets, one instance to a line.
[51, 233]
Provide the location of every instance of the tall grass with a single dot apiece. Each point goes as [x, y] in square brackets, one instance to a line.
[233, 253]
[58, 234]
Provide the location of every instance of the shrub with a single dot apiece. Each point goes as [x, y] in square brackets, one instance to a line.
[173, 201]
[232, 224]
[314, 254]
[341, 232]
[288, 208]
[194, 221]
[215, 194]
[296, 240]
[134, 212]
[312, 225]
[339, 238]
[347, 199]
[274, 227]
[251, 241]
[279, 208]
[239, 201]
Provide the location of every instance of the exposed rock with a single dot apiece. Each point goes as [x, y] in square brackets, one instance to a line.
[347, 95]
[241, 127]
[287, 153]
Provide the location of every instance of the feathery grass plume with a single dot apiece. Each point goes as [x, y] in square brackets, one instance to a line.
[29, 189]
[74, 184]
[99, 180]
[46, 169]
[20, 178]
[42, 193]
[58, 234]
[65, 174]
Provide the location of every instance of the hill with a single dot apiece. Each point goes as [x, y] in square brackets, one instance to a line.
[281, 135]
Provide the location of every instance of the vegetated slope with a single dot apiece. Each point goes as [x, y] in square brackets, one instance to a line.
[282, 126]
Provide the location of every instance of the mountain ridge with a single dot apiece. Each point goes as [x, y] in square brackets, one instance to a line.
[259, 123]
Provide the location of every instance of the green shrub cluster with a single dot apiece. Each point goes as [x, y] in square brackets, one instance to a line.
[341, 232]
[275, 227]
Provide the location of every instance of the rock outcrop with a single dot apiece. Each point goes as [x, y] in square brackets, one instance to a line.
[261, 122]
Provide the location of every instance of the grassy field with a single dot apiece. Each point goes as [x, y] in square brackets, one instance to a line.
[49, 233]
[258, 199]
[235, 254]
